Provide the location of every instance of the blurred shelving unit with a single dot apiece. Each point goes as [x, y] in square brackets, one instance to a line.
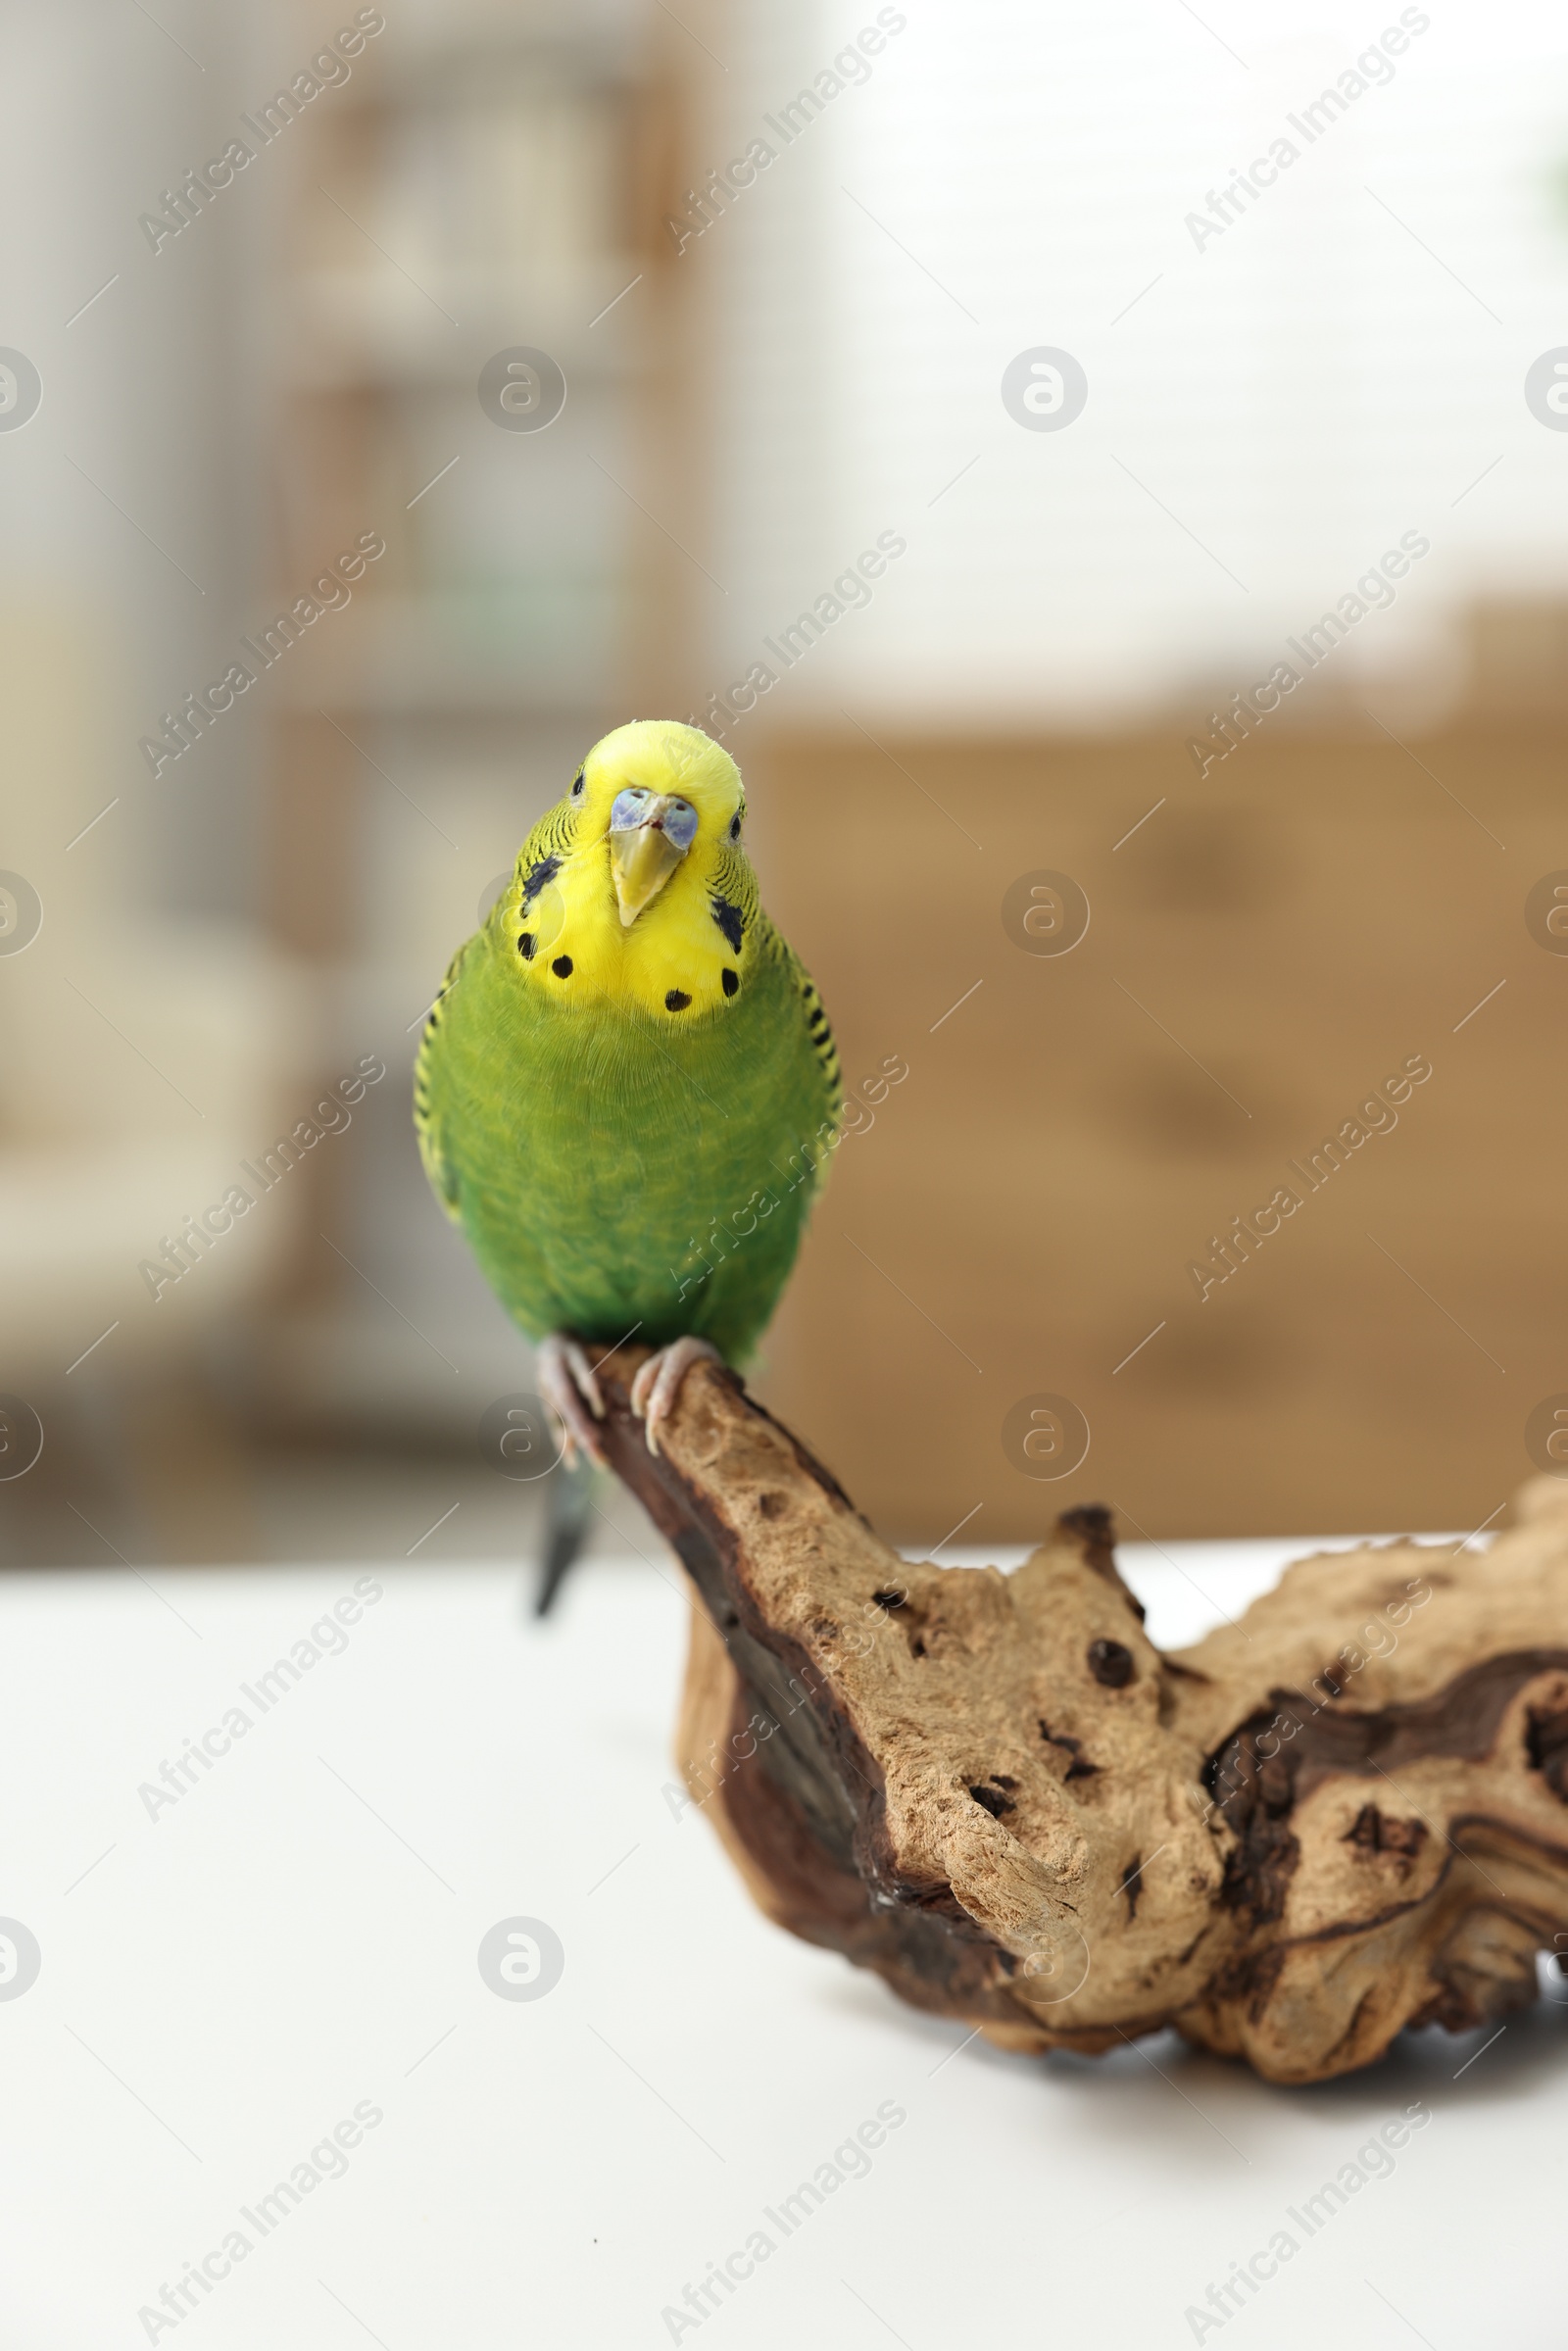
[487, 178]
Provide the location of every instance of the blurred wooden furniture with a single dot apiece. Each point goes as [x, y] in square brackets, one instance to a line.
[143, 1056]
[485, 181]
[1265, 948]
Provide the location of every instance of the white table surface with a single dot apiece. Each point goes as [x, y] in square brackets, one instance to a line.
[298, 1935]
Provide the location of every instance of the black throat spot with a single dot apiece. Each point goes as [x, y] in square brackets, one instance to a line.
[543, 870]
[730, 921]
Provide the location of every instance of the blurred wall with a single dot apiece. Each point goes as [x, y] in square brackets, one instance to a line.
[1222, 974]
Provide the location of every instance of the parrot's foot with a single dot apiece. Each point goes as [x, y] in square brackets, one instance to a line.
[657, 1384]
[568, 1386]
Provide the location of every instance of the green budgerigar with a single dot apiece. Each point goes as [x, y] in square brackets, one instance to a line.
[627, 1089]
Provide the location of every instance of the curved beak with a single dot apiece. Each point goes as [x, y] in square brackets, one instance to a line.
[641, 859]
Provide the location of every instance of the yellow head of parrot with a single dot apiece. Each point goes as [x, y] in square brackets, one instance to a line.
[659, 799]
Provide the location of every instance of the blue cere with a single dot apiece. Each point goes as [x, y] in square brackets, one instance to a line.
[630, 809]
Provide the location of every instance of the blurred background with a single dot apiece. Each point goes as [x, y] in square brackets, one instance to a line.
[1154, 358]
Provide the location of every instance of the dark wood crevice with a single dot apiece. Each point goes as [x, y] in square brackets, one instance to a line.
[1257, 1788]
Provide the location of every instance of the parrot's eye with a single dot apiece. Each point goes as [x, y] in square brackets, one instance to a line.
[735, 828]
[576, 783]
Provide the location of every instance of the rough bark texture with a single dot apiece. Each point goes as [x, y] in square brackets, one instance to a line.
[1346, 1814]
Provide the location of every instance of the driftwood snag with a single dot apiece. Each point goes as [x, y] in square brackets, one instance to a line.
[1346, 1814]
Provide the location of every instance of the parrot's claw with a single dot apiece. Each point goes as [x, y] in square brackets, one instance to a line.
[568, 1386]
[655, 1390]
